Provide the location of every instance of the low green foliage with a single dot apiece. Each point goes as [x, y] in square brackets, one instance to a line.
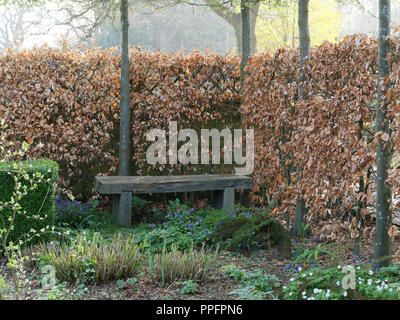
[326, 284]
[176, 265]
[78, 215]
[3, 287]
[123, 284]
[307, 256]
[182, 227]
[245, 231]
[188, 287]
[93, 260]
[254, 285]
[235, 230]
[36, 208]
[58, 292]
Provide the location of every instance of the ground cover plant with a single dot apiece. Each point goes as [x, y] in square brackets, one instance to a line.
[318, 283]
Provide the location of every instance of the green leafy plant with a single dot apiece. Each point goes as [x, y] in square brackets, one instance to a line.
[307, 256]
[254, 285]
[3, 287]
[326, 284]
[188, 287]
[26, 205]
[123, 284]
[183, 228]
[248, 230]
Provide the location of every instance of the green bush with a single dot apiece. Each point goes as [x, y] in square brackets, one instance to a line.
[245, 231]
[37, 206]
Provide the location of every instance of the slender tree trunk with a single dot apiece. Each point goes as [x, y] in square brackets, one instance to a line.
[235, 20]
[384, 148]
[125, 144]
[253, 23]
[246, 37]
[304, 38]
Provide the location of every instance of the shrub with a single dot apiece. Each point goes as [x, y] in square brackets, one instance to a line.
[176, 265]
[93, 260]
[246, 231]
[37, 211]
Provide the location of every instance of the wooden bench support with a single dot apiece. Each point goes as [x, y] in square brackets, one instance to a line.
[122, 204]
[224, 199]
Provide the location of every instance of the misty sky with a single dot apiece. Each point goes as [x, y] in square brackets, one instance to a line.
[40, 25]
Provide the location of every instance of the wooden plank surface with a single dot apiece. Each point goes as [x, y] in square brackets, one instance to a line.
[163, 184]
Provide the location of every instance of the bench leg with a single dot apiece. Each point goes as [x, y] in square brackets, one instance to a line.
[224, 199]
[122, 208]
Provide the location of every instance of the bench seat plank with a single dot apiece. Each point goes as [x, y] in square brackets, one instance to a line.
[164, 184]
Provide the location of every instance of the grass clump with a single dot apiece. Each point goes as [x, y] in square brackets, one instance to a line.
[93, 260]
[176, 265]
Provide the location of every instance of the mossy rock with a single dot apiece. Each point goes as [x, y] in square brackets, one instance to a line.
[260, 231]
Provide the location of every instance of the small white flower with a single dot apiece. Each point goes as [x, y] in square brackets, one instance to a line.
[328, 294]
[291, 279]
[316, 290]
[358, 268]
[338, 283]
[345, 294]
[370, 272]
[303, 293]
[339, 267]
[284, 287]
[290, 294]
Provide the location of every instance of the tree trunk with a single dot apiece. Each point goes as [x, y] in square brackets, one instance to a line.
[246, 36]
[384, 149]
[304, 38]
[235, 20]
[125, 143]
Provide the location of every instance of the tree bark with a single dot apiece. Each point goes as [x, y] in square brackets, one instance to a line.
[383, 253]
[125, 143]
[246, 36]
[304, 38]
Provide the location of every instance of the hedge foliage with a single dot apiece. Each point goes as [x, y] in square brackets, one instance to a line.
[67, 103]
[39, 202]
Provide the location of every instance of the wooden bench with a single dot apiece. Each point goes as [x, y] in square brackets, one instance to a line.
[122, 188]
